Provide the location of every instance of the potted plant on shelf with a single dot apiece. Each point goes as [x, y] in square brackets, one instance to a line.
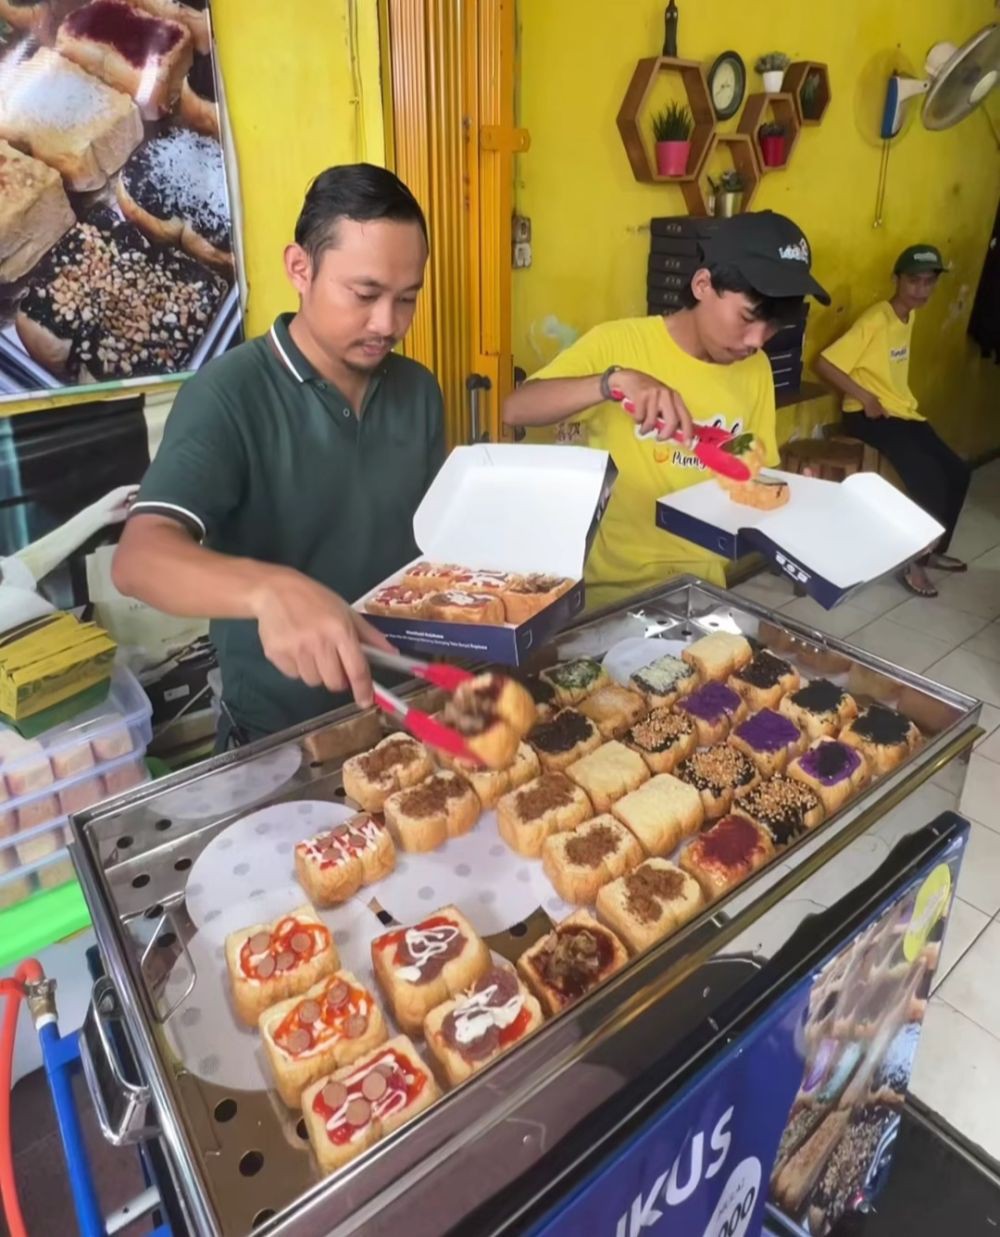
[772, 69]
[772, 144]
[672, 130]
[726, 194]
[809, 95]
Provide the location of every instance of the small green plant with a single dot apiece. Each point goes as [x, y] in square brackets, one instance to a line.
[729, 182]
[772, 62]
[673, 124]
[810, 93]
[773, 129]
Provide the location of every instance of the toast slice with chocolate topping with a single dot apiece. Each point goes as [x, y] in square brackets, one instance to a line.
[421, 966]
[820, 708]
[885, 737]
[425, 816]
[394, 764]
[763, 681]
[547, 804]
[492, 784]
[576, 956]
[649, 903]
[563, 739]
[493, 714]
[469, 1031]
[580, 861]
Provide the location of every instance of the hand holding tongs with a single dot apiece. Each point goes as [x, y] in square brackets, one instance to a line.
[420, 724]
[708, 445]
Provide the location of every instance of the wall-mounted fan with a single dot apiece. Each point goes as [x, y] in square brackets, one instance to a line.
[958, 80]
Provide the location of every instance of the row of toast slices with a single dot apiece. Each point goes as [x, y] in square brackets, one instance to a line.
[641, 899]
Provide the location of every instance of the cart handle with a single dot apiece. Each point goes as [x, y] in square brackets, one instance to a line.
[167, 918]
[122, 1107]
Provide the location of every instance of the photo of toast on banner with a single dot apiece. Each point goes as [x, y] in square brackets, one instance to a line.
[117, 254]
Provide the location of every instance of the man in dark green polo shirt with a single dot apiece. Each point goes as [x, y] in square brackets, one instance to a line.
[291, 466]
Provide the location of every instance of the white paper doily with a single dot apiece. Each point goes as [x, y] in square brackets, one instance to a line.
[628, 656]
[546, 897]
[207, 1019]
[478, 873]
[246, 874]
[221, 793]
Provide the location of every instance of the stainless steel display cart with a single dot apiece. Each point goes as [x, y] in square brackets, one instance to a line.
[235, 1159]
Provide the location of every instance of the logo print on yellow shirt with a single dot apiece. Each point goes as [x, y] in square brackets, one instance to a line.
[665, 454]
[899, 354]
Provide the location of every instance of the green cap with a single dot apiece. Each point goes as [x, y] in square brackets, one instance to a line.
[919, 260]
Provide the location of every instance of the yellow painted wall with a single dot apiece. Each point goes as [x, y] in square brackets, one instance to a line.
[590, 217]
[302, 84]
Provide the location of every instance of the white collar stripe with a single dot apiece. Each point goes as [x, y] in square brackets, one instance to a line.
[283, 354]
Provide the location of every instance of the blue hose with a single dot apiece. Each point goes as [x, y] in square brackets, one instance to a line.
[62, 1056]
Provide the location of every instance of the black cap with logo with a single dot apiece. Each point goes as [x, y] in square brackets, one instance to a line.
[769, 251]
[920, 260]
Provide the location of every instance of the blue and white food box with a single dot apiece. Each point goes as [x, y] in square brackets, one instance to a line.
[830, 537]
[505, 507]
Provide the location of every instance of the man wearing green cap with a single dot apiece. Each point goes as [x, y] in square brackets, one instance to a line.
[870, 366]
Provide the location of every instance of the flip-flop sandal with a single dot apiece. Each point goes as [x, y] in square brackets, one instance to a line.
[907, 583]
[945, 562]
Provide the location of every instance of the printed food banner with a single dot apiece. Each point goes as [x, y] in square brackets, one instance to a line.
[117, 255]
[859, 1041]
[804, 1107]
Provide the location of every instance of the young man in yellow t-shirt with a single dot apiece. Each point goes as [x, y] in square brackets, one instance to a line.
[870, 367]
[702, 364]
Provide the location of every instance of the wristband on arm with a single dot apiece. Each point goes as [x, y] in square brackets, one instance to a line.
[606, 380]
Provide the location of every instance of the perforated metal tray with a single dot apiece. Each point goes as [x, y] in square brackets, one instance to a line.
[239, 1159]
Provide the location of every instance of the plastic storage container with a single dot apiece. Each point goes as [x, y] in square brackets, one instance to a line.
[68, 769]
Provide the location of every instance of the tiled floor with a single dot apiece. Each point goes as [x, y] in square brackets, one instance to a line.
[954, 639]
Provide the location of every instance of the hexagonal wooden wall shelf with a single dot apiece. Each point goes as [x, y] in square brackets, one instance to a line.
[756, 112]
[630, 115]
[796, 76]
[744, 157]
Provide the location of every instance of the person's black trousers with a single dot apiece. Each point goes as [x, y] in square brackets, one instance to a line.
[936, 478]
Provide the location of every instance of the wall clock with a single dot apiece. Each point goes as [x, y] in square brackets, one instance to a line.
[727, 84]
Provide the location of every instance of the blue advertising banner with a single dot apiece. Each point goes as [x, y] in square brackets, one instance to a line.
[702, 1167]
[828, 1064]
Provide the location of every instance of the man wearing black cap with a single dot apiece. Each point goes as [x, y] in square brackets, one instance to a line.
[701, 364]
[870, 367]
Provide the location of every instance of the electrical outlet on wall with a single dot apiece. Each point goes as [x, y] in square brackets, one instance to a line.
[521, 240]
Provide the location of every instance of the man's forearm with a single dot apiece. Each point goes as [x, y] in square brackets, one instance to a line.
[827, 372]
[547, 401]
[159, 563]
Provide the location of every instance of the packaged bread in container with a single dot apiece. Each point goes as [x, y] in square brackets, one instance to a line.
[46, 667]
[505, 532]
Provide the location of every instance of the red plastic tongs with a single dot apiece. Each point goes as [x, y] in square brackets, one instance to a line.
[420, 724]
[707, 445]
